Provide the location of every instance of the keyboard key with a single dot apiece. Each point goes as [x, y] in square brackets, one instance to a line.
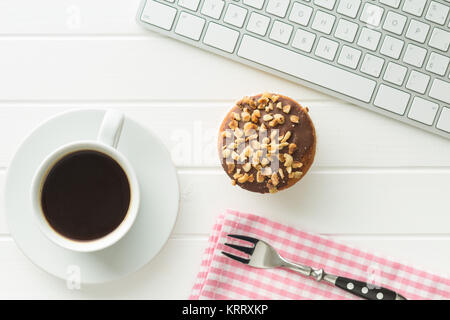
[346, 30]
[349, 8]
[391, 3]
[190, 26]
[189, 4]
[278, 7]
[235, 15]
[369, 38]
[437, 63]
[349, 57]
[371, 14]
[392, 47]
[257, 23]
[395, 73]
[444, 120]
[327, 4]
[372, 65]
[394, 22]
[391, 99]
[440, 39]
[440, 90]
[417, 31]
[221, 37]
[306, 68]
[303, 40]
[213, 8]
[414, 7]
[323, 22]
[326, 48]
[158, 14]
[281, 32]
[423, 110]
[258, 4]
[418, 81]
[300, 14]
[414, 55]
[437, 12]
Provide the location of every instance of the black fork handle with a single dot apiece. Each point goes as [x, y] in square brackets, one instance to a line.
[363, 290]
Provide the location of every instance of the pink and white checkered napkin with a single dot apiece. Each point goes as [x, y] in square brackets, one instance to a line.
[224, 278]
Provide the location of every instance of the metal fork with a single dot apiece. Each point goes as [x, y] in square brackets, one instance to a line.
[263, 255]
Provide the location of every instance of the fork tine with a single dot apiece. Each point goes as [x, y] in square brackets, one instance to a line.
[246, 250]
[245, 238]
[232, 256]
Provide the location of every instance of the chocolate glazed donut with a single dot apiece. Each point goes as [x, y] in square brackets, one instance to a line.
[266, 143]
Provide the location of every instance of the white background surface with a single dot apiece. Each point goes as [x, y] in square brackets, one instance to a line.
[376, 183]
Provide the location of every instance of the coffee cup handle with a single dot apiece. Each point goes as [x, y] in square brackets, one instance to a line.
[111, 128]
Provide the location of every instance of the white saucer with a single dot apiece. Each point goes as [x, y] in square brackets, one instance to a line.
[154, 223]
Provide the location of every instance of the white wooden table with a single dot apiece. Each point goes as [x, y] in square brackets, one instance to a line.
[375, 183]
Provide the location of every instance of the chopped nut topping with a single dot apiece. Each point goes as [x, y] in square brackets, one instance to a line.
[286, 136]
[233, 182]
[236, 116]
[237, 175]
[247, 166]
[245, 116]
[250, 126]
[233, 124]
[269, 107]
[266, 95]
[287, 108]
[295, 119]
[234, 155]
[264, 162]
[255, 144]
[292, 148]
[297, 174]
[265, 140]
[226, 153]
[281, 157]
[273, 123]
[262, 128]
[279, 118]
[238, 133]
[243, 179]
[273, 134]
[267, 117]
[275, 98]
[282, 145]
[267, 171]
[297, 164]
[231, 167]
[251, 178]
[274, 179]
[259, 177]
[279, 105]
[288, 160]
[263, 101]
[255, 115]
[226, 134]
[280, 171]
[289, 170]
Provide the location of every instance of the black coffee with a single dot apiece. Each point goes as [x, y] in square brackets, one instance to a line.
[86, 195]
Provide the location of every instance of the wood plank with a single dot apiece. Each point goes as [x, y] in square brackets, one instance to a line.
[127, 69]
[325, 201]
[162, 278]
[19, 17]
[347, 136]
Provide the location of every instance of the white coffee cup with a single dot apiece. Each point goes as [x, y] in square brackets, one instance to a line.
[106, 143]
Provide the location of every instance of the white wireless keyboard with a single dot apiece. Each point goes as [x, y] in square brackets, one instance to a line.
[389, 56]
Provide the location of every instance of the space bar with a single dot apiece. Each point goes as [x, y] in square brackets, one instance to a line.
[306, 68]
